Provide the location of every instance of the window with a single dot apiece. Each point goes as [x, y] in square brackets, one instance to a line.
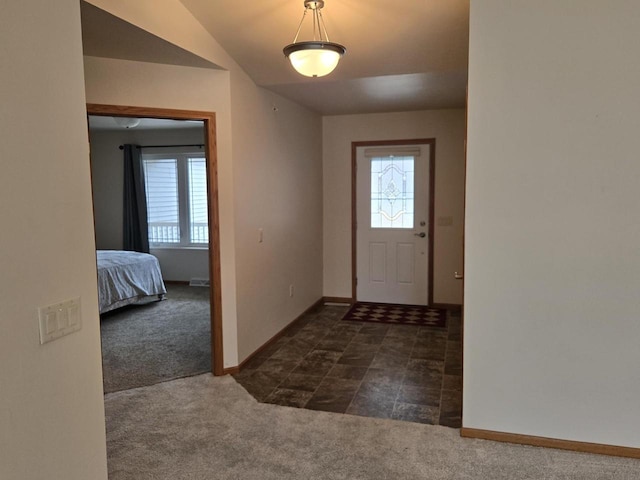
[176, 187]
[392, 191]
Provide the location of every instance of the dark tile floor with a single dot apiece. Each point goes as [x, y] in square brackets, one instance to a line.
[402, 372]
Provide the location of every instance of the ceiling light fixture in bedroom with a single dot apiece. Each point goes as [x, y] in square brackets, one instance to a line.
[127, 122]
[317, 57]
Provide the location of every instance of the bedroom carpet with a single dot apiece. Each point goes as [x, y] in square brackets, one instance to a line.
[159, 341]
[207, 427]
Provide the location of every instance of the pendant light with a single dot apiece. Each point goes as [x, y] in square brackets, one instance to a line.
[317, 57]
[127, 122]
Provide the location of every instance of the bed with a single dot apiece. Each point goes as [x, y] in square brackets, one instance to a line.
[125, 278]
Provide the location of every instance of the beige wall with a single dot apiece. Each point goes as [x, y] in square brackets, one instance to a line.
[278, 178]
[448, 128]
[269, 171]
[51, 405]
[552, 233]
[123, 82]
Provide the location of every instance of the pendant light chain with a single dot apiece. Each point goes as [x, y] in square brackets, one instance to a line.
[300, 26]
[315, 15]
[321, 22]
[319, 27]
[317, 57]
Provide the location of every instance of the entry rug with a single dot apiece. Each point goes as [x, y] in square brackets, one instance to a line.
[397, 314]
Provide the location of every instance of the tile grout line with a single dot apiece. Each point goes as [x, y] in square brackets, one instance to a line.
[444, 368]
[365, 374]
[302, 357]
[325, 375]
[406, 368]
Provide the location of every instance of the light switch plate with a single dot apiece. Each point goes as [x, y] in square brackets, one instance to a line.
[59, 320]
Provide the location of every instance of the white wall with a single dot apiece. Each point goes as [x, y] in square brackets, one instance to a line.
[182, 264]
[107, 174]
[448, 128]
[51, 406]
[552, 256]
[269, 171]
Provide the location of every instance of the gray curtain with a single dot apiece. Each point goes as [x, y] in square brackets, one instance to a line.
[135, 231]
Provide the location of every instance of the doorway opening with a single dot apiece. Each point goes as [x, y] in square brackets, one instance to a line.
[392, 197]
[202, 170]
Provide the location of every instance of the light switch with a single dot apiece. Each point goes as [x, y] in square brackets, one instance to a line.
[59, 320]
[51, 322]
[63, 318]
[74, 315]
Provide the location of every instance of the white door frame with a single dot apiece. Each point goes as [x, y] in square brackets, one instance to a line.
[431, 142]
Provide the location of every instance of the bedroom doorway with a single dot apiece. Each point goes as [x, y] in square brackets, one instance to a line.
[197, 166]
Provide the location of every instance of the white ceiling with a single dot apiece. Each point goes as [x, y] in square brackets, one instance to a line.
[103, 123]
[401, 54]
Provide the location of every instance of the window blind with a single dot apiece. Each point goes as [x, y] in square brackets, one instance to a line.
[198, 200]
[161, 183]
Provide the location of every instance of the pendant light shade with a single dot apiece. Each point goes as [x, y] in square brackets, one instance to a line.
[318, 57]
[127, 122]
[314, 59]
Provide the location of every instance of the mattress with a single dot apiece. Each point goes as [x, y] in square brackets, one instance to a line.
[127, 277]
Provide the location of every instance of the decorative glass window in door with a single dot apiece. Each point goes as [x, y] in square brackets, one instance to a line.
[392, 192]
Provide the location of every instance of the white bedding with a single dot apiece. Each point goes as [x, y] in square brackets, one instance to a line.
[127, 277]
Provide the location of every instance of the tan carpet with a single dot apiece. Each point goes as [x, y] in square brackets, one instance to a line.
[204, 427]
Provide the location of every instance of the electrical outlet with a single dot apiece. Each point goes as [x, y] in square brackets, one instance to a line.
[291, 290]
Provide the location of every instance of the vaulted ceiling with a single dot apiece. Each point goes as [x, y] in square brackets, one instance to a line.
[401, 54]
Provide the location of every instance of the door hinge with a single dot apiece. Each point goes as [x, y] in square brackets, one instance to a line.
[356, 280]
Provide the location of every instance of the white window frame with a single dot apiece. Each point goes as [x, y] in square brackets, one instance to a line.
[182, 157]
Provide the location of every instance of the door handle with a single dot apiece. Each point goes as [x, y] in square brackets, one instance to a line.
[421, 234]
[458, 276]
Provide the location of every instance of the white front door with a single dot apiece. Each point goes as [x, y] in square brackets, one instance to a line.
[392, 197]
